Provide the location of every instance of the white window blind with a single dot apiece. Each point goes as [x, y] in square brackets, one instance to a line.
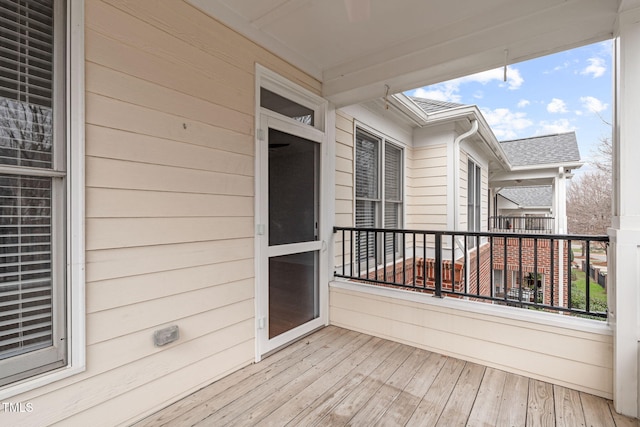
[378, 194]
[367, 192]
[392, 194]
[31, 295]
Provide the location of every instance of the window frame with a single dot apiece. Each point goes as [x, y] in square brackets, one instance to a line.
[380, 201]
[474, 195]
[68, 246]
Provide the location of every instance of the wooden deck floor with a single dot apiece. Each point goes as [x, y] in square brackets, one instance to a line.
[338, 377]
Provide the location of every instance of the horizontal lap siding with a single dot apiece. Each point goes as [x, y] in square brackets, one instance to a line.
[170, 209]
[426, 201]
[576, 359]
[344, 179]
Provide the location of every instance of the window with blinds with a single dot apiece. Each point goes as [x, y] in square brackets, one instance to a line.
[32, 188]
[378, 194]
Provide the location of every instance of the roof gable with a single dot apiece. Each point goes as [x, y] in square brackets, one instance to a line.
[540, 150]
[535, 196]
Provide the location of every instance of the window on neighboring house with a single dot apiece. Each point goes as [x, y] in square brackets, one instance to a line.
[33, 187]
[379, 171]
[474, 196]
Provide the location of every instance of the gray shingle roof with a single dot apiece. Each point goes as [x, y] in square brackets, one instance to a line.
[432, 106]
[541, 195]
[546, 149]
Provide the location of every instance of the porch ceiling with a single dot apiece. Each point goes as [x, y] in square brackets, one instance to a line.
[409, 43]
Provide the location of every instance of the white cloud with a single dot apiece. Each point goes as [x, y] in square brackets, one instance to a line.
[596, 68]
[556, 126]
[557, 106]
[593, 105]
[505, 123]
[523, 103]
[440, 92]
[450, 91]
[514, 78]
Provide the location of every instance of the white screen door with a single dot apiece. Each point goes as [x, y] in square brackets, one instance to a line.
[291, 247]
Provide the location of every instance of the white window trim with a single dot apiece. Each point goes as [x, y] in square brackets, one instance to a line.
[478, 196]
[384, 139]
[324, 129]
[75, 221]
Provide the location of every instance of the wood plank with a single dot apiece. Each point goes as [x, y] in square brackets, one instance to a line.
[433, 403]
[568, 407]
[332, 364]
[621, 420]
[380, 402]
[323, 405]
[487, 404]
[513, 405]
[262, 371]
[295, 404]
[540, 409]
[351, 404]
[249, 393]
[457, 410]
[596, 411]
[406, 403]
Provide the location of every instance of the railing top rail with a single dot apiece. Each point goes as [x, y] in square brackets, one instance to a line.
[592, 238]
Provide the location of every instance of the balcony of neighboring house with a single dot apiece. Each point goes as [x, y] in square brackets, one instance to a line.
[522, 224]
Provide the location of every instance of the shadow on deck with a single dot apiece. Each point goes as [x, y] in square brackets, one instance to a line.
[337, 377]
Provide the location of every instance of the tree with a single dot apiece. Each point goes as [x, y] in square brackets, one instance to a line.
[589, 195]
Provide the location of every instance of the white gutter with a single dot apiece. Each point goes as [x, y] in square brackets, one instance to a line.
[456, 171]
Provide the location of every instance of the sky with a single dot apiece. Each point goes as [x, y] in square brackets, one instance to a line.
[567, 91]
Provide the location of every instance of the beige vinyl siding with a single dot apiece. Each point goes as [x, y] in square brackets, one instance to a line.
[344, 179]
[426, 201]
[572, 357]
[170, 210]
[464, 188]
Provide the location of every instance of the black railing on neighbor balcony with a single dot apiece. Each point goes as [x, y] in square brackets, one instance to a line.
[522, 224]
[536, 271]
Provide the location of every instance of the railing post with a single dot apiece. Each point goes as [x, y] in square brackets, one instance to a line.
[438, 265]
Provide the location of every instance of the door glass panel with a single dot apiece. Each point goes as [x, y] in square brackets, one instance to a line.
[286, 107]
[293, 178]
[293, 291]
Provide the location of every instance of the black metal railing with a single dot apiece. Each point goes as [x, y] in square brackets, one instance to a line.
[535, 271]
[522, 224]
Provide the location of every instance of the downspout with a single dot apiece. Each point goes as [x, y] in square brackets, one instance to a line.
[456, 172]
[456, 190]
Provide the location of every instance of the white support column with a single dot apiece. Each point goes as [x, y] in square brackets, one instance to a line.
[561, 201]
[624, 277]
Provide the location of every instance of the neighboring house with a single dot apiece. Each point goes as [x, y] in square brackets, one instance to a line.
[429, 141]
[180, 166]
[525, 209]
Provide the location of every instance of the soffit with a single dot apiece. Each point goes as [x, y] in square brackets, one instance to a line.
[409, 43]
